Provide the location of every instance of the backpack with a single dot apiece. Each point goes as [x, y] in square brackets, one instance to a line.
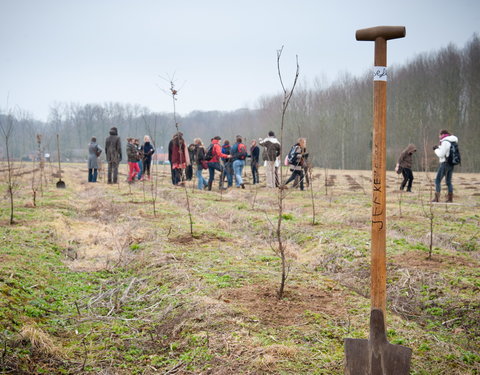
[292, 155]
[239, 151]
[209, 154]
[454, 157]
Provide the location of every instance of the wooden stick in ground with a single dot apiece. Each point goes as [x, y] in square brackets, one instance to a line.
[379, 175]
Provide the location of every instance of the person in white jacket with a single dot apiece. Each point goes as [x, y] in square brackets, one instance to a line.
[270, 156]
[445, 169]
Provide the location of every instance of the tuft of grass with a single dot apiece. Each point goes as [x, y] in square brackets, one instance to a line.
[40, 340]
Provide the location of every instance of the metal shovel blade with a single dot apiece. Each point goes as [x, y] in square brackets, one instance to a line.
[376, 356]
[61, 185]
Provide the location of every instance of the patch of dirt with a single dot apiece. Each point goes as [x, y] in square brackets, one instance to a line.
[418, 259]
[200, 238]
[181, 240]
[261, 301]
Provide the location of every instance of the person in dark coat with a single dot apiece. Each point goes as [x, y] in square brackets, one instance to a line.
[255, 155]
[227, 164]
[136, 143]
[170, 153]
[189, 169]
[296, 165]
[148, 150]
[113, 153]
[404, 165]
[199, 160]
[94, 151]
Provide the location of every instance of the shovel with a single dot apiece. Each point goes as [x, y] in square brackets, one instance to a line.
[60, 183]
[376, 356]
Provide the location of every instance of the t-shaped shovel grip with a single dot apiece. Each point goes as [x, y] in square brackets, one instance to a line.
[380, 35]
[385, 32]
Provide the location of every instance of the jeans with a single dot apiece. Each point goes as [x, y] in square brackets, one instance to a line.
[177, 175]
[255, 172]
[444, 170]
[140, 170]
[212, 166]
[296, 173]
[238, 169]
[201, 181]
[407, 178]
[228, 172]
[92, 175]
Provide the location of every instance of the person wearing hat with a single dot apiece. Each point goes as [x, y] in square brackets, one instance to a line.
[113, 154]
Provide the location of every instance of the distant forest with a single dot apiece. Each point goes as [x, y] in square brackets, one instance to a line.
[433, 91]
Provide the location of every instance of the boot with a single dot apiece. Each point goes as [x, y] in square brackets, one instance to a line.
[449, 197]
[210, 185]
[436, 198]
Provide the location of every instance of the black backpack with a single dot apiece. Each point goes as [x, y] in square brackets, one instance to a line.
[292, 155]
[454, 157]
[209, 153]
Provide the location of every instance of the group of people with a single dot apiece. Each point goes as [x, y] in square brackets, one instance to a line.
[230, 160]
[139, 157]
[443, 150]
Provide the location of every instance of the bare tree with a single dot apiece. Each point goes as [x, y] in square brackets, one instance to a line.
[312, 194]
[281, 249]
[6, 126]
[428, 210]
[174, 93]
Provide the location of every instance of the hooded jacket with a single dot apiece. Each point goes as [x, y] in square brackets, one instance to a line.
[444, 149]
[113, 147]
[132, 153]
[405, 160]
[217, 152]
[272, 148]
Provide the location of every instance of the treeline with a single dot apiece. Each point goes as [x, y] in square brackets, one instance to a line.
[433, 91]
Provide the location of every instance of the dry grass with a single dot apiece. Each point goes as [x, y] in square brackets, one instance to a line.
[172, 279]
[40, 341]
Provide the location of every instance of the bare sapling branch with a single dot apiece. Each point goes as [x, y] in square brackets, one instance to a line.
[312, 194]
[428, 211]
[287, 95]
[6, 127]
[174, 93]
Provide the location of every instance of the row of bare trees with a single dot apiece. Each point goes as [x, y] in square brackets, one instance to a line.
[435, 90]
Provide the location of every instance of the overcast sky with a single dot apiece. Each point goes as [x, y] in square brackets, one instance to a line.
[221, 53]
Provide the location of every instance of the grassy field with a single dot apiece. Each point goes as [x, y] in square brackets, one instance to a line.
[96, 279]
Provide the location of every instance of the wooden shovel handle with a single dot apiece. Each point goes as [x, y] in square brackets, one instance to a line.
[378, 282]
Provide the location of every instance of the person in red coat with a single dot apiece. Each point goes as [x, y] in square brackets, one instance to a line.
[214, 162]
